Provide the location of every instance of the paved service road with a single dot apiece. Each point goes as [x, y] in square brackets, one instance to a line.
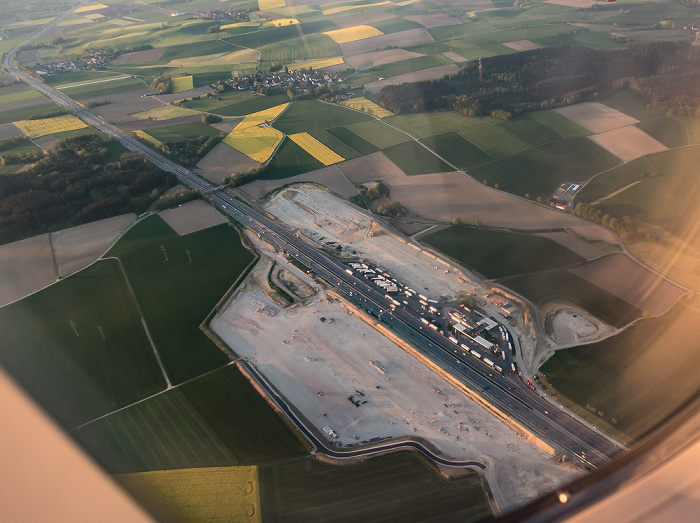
[556, 426]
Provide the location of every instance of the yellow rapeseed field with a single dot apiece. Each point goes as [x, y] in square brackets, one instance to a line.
[316, 64]
[254, 137]
[182, 83]
[44, 126]
[144, 135]
[198, 494]
[351, 34]
[271, 4]
[91, 7]
[363, 104]
[344, 8]
[315, 148]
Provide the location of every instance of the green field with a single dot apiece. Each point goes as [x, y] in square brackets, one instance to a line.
[499, 140]
[422, 125]
[335, 144]
[541, 170]
[23, 113]
[184, 131]
[637, 379]
[79, 77]
[78, 377]
[289, 161]
[19, 97]
[354, 141]
[312, 115]
[96, 90]
[692, 126]
[559, 284]
[669, 199]
[22, 148]
[176, 295]
[669, 131]
[394, 25]
[616, 179]
[631, 104]
[561, 125]
[412, 158]
[396, 68]
[378, 134]
[310, 47]
[235, 103]
[485, 251]
[457, 150]
[396, 487]
[215, 420]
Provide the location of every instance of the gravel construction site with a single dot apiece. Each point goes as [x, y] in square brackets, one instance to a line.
[327, 221]
[340, 372]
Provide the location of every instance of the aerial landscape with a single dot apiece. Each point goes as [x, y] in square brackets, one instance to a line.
[273, 260]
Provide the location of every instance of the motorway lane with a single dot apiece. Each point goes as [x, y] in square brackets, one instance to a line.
[527, 407]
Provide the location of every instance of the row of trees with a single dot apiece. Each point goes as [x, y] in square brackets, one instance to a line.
[623, 226]
[665, 73]
[82, 179]
[241, 178]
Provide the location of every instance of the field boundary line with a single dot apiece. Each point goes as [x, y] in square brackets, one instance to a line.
[143, 321]
[151, 396]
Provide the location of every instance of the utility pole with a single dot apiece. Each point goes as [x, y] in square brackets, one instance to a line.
[162, 248]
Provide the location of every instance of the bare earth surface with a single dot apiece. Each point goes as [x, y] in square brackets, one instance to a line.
[144, 125]
[47, 142]
[454, 56]
[319, 355]
[366, 60]
[362, 19]
[227, 125]
[628, 143]
[580, 247]
[222, 161]
[434, 20]
[424, 74]
[628, 280]
[376, 43]
[582, 4]
[317, 213]
[123, 104]
[192, 217]
[442, 196]
[331, 177]
[17, 87]
[596, 117]
[522, 45]
[79, 246]
[149, 55]
[375, 166]
[26, 266]
[464, 4]
[9, 130]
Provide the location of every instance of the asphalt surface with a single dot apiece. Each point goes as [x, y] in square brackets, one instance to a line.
[507, 392]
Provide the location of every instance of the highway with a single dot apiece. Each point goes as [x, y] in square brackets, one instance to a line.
[556, 426]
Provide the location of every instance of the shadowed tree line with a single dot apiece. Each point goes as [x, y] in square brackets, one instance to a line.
[82, 179]
[666, 74]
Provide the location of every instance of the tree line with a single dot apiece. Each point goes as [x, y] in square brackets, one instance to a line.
[80, 180]
[666, 74]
